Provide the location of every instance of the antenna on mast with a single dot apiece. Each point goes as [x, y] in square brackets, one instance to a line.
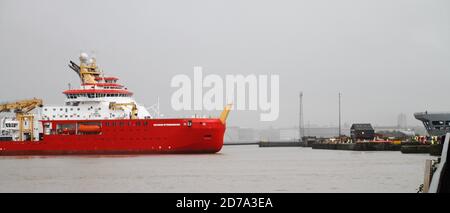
[155, 109]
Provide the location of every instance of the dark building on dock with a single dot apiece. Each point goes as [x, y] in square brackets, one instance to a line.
[360, 132]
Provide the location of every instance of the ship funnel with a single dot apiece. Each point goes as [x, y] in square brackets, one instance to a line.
[225, 112]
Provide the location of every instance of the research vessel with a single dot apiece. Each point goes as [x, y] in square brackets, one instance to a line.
[102, 117]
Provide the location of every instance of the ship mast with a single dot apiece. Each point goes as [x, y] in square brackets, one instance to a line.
[88, 69]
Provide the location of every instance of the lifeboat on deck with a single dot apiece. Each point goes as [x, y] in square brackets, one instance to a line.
[89, 128]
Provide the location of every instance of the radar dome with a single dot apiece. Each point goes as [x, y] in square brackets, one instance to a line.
[84, 57]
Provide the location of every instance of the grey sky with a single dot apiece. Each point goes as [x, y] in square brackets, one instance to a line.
[385, 56]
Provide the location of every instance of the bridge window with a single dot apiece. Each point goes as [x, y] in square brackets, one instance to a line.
[437, 122]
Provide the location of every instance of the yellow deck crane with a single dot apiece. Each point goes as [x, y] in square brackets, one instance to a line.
[120, 106]
[22, 109]
[224, 115]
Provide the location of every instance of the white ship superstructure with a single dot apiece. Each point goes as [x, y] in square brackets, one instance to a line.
[98, 97]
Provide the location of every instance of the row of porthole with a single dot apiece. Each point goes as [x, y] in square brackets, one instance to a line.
[153, 147]
[128, 139]
[137, 129]
[129, 123]
[61, 109]
[11, 125]
[71, 109]
[54, 116]
[97, 95]
[72, 116]
[441, 127]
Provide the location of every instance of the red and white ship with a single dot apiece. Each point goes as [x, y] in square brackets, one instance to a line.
[101, 117]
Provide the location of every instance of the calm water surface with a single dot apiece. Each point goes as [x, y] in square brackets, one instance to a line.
[234, 169]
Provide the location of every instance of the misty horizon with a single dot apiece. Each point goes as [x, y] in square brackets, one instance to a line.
[385, 57]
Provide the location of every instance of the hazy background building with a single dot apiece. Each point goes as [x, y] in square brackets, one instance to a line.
[402, 121]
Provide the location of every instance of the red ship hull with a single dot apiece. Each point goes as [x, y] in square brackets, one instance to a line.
[134, 136]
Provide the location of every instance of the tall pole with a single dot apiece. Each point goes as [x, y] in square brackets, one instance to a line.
[300, 119]
[340, 116]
